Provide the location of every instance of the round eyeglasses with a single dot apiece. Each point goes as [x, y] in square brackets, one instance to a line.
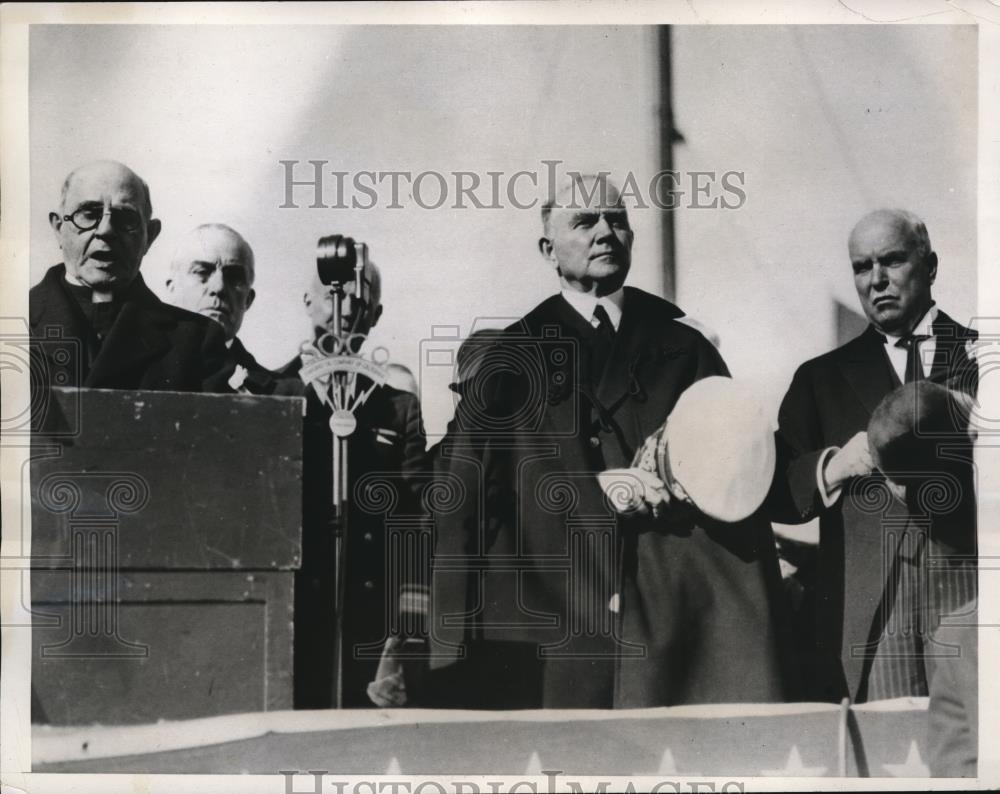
[87, 218]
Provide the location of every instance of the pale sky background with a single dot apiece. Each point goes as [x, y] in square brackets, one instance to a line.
[826, 122]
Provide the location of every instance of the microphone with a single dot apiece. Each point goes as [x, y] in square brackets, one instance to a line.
[340, 260]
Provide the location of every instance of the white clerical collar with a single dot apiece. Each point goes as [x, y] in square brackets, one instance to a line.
[585, 303]
[95, 297]
[922, 328]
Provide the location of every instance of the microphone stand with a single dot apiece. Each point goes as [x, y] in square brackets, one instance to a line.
[331, 365]
[338, 520]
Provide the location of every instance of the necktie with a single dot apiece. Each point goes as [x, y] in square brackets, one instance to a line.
[914, 370]
[604, 337]
[604, 325]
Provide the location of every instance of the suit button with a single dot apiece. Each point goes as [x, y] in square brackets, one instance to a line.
[368, 536]
[369, 584]
[595, 441]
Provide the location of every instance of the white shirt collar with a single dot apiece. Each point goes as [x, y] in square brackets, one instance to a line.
[922, 328]
[585, 303]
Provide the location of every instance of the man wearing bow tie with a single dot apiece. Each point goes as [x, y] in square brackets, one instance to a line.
[879, 594]
[543, 595]
[97, 323]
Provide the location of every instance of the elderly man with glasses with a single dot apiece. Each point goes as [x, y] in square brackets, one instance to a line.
[94, 321]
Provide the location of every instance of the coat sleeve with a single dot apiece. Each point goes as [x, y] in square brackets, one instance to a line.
[465, 465]
[414, 464]
[412, 587]
[795, 496]
[473, 456]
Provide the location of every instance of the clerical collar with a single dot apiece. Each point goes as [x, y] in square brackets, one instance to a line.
[584, 303]
[99, 315]
[922, 328]
[78, 288]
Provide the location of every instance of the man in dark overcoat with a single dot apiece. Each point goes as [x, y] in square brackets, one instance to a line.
[543, 596]
[888, 568]
[93, 320]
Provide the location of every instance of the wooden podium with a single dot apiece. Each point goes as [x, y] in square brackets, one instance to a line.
[166, 530]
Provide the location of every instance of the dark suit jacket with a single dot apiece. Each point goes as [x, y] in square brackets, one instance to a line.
[259, 379]
[386, 468]
[830, 399]
[529, 555]
[151, 345]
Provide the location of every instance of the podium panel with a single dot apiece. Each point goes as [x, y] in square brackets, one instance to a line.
[166, 531]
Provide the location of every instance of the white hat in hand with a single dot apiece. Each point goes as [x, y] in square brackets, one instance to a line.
[715, 451]
[718, 446]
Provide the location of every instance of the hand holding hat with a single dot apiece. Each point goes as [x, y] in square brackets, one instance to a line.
[633, 490]
[854, 459]
[715, 451]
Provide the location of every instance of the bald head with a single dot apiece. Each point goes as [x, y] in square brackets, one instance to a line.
[212, 273]
[587, 238]
[354, 317]
[104, 225]
[109, 169]
[894, 268]
[903, 223]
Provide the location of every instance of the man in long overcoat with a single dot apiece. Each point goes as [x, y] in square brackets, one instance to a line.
[543, 596]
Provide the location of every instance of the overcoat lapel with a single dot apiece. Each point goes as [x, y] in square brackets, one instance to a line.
[867, 370]
[259, 379]
[644, 359]
[55, 308]
[952, 365]
[52, 309]
[557, 311]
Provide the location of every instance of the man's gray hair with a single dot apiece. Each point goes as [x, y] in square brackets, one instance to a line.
[245, 249]
[575, 180]
[907, 220]
[919, 230]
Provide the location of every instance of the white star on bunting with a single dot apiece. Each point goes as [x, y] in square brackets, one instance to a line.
[913, 766]
[669, 767]
[794, 768]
